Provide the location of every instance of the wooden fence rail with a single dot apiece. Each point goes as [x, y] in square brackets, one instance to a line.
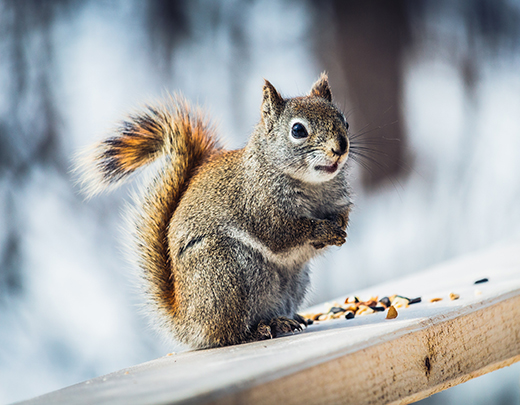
[366, 360]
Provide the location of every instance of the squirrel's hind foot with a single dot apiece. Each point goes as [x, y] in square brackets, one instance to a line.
[277, 327]
[283, 325]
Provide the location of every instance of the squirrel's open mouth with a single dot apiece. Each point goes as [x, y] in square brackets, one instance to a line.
[327, 168]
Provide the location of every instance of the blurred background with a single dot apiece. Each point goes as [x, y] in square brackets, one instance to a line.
[431, 86]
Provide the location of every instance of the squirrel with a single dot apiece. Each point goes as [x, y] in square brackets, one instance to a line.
[224, 238]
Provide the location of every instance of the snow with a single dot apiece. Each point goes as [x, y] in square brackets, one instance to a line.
[79, 315]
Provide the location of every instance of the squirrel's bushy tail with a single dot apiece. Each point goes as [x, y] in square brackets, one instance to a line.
[185, 140]
[170, 129]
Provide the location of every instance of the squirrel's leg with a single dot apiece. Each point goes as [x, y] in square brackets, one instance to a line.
[215, 310]
[224, 290]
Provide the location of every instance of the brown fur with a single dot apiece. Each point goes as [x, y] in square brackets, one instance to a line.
[224, 237]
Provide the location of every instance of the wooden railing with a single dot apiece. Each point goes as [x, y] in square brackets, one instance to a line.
[429, 347]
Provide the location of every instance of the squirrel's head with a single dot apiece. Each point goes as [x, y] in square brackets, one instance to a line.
[307, 136]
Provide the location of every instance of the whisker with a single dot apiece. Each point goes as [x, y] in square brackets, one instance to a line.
[371, 159]
[362, 163]
[371, 141]
[361, 133]
[359, 157]
[356, 150]
[349, 113]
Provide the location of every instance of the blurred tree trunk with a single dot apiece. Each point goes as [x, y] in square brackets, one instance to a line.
[361, 44]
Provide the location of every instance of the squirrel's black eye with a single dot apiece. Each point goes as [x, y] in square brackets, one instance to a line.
[298, 131]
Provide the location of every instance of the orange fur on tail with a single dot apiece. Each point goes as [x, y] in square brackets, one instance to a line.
[142, 138]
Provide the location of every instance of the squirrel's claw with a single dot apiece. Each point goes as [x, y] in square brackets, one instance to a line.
[263, 331]
[301, 320]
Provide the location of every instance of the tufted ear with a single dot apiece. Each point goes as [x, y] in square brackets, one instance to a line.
[272, 105]
[321, 88]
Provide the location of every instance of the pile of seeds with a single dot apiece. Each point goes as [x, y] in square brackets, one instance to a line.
[353, 307]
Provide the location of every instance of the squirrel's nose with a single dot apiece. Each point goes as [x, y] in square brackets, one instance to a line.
[341, 147]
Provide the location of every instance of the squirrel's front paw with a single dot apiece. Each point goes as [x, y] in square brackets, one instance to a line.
[327, 232]
[340, 219]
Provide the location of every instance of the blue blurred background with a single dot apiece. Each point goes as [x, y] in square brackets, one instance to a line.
[435, 85]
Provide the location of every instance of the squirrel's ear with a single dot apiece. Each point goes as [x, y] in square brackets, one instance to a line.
[272, 105]
[321, 88]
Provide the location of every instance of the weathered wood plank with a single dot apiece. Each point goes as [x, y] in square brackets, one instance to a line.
[434, 357]
[369, 359]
